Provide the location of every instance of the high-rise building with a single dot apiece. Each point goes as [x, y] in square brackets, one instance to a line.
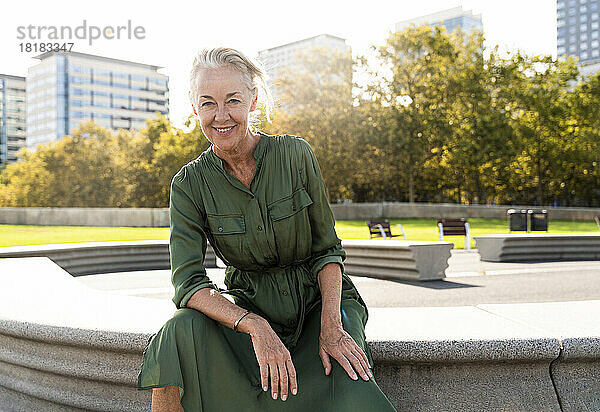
[280, 58]
[67, 88]
[12, 117]
[450, 19]
[578, 30]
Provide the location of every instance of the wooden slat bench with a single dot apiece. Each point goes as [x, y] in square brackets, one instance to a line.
[381, 228]
[455, 227]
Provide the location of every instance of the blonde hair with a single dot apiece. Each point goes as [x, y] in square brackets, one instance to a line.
[254, 73]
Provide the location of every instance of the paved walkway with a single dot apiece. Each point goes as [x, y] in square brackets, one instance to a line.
[469, 282]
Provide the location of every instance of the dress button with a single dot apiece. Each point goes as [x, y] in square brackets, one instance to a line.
[220, 228]
[294, 208]
[259, 228]
[284, 292]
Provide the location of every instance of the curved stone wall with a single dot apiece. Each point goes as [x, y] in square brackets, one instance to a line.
[64, 346]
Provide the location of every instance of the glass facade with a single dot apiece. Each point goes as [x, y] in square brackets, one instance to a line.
[12, 118]
[578, 26]
[80, 87]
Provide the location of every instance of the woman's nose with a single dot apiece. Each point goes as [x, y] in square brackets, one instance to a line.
[222, 114]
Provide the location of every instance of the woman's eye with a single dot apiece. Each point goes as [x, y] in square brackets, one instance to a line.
[233, 101]
[206, 104]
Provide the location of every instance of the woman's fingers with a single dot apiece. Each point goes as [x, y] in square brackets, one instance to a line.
[292, 373]
[325, 360]
[264, 375]
[274, 379]
[283, 380]
[364, 364]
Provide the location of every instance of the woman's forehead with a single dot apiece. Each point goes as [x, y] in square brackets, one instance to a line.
[223, 80]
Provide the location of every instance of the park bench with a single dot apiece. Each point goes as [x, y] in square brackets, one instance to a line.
[381, 228]
[455, 227]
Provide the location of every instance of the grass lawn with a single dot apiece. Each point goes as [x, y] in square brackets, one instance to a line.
[416, 229]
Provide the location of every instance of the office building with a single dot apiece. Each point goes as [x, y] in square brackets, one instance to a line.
[12, 118]
[450, 19]
[285, 56]
[578, 31]
[67, 88]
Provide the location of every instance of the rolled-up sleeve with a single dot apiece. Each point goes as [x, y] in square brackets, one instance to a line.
[326, 246]
[187, 242]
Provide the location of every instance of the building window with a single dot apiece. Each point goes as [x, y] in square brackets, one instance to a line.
[594, 25]
[572, 29]
[572, 11]
[560, 23]
[572, 48]
[594, 35]
[584, 55]
[583, 37]
[594, 16]
[583, 46]
[583, 27]
[583, 9]
[595, 53]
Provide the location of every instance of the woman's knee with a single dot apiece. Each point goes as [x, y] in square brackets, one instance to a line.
[185, 319]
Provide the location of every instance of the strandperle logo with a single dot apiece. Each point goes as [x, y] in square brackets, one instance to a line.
[82, 32]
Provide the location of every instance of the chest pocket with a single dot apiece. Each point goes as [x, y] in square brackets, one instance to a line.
[291, 226]
[228, 232]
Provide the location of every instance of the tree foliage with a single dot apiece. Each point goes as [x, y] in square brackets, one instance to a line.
[429, 117]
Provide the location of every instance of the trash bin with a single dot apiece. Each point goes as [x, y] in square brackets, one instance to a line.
[538, 220]
[517, 220]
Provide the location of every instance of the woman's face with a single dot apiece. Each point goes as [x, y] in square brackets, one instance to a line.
[223, 107]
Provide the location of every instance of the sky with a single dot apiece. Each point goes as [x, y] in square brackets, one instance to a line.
[175, 30]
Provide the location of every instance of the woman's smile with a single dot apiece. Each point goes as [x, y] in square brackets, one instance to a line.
[224, 131]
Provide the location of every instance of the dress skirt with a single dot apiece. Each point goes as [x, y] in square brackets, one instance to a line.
[216, 369]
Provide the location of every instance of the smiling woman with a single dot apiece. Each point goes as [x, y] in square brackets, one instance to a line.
[260, 200]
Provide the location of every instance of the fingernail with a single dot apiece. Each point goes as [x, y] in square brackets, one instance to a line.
[366, 377]
[294, 391]
[370, 374]
[354, 377]
[283, 397]
[264, 388]
[274, 396]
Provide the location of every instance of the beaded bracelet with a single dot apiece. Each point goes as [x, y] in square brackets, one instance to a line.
[237, 322]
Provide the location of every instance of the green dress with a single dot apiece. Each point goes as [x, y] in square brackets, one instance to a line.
[274, 237]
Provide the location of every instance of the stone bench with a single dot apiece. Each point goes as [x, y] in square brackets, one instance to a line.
[389, 259]
[397, 259]
[104, 257]
[64, 346]
[538, 247]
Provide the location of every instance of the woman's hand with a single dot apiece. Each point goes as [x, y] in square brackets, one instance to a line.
[274, 359]
[335, 341]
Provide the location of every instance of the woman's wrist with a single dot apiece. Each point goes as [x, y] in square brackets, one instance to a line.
[331, 322]
[249, 323]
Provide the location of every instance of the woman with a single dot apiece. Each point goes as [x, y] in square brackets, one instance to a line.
[261, 202]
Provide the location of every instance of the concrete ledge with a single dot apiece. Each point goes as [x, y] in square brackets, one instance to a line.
[85, 216]
[397, 259]
[79, 348]
[104, 257]
[538, 247]
[159, 217]
[576, 372]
